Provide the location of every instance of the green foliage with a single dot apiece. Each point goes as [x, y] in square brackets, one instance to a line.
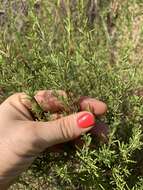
[55, 46]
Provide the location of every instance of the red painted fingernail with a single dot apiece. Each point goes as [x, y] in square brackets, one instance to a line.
[86, 120]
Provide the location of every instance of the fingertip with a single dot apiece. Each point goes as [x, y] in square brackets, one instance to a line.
[95, 106]
[85, 120]
[103, 107]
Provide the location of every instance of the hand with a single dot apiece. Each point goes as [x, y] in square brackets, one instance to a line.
[22, 139]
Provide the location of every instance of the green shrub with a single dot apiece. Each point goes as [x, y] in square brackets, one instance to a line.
[56, 45]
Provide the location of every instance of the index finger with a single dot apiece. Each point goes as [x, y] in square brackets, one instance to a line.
[91, 104]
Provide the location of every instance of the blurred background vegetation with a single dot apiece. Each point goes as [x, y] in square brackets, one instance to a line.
[87, 47]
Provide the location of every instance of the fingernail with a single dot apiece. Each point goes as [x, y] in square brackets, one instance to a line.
[86, 120]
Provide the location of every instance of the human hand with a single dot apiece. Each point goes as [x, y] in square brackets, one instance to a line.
[22, 139]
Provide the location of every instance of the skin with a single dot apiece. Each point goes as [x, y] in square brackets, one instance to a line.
[22, 138]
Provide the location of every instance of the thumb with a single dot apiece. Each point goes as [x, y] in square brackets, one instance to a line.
[63, 129]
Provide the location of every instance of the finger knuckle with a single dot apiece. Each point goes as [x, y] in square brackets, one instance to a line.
[67, 129]
[16, 96]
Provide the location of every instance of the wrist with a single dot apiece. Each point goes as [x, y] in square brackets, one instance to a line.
[10, 167]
